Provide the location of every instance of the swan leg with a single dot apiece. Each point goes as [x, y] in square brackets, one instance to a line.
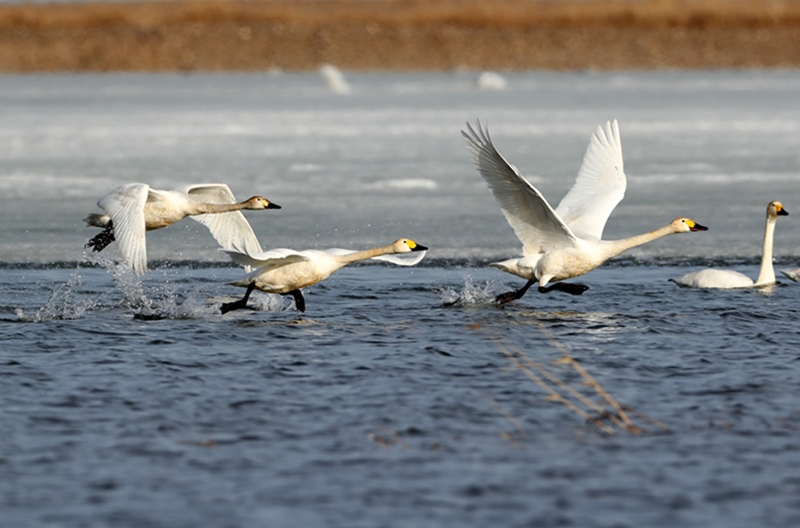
[299, 301]
[514, 295]
[102, 239]
[241, 303]
[571, 288]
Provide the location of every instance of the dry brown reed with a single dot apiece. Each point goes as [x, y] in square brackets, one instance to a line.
[465, 13]
[399, 34]
[608, 418]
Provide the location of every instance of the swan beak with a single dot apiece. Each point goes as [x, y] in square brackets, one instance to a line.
[698, 227]
[419, 247]
[783, 212]
[273, 206]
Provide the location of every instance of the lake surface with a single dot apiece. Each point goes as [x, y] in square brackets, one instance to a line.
[132, 402]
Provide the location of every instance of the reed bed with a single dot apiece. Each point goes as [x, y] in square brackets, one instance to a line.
[215, 35]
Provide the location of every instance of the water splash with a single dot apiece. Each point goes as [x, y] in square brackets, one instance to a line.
[471, 294]
[62, 304]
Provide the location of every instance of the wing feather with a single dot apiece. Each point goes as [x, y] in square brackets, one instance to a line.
[534, 221]
[400, 259]
[231, 230]
[274, 258]
[125, 206]
[599, 187]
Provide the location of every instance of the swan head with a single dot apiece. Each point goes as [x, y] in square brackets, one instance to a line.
[259, 202]
[775, 209]
[406, 245]
[686, 225]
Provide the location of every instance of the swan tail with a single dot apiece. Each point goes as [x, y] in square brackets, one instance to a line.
[97, 220]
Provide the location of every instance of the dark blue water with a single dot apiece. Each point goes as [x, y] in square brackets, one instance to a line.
[134, 402]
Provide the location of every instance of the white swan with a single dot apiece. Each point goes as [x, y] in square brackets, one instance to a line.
[727, 279]
[793, 274]
[566, 242]
[135, 208]
[285, 271]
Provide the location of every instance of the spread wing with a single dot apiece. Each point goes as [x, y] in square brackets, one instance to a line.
[231, 230]
[599, 187]
[125, 206]
[274, 258]
[400, 259]
[535, 223]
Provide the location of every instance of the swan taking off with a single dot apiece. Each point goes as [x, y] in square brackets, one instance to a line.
[566, 242]
[727, 279]
[284, 271]
[135, 208]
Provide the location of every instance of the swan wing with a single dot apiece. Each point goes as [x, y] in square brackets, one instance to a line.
[231, 230]
[535, 223]
[599, 187]
[793, 274]
[400, 259]
[274, 258]
[125, 206]
[714, 278]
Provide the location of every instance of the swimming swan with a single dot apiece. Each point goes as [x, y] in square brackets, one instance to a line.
[727, 279]
[566, 242]
[135, 208]
[284, 271]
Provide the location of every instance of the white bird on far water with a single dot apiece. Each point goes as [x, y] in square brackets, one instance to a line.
[285, 271]
[566, 242]
[491, 81]
[335, 79]
[729, 279]
[135, 208]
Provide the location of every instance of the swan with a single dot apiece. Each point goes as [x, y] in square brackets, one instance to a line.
[727, 279]
[566, 242]
[134, 208]
[793, 274]
[285, 271]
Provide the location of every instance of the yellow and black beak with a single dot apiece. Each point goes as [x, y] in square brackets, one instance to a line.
[417, 247]
[783, 212]
[273, 206]
[697, 227]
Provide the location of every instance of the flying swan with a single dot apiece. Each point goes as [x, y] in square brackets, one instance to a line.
[134, 208]
[284, 271]
[727, 279]
[566, 242]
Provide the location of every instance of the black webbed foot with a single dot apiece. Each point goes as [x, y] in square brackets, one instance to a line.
[241, 303]
[299, 301]
[514, 295]
[102, 239]
[571, 288]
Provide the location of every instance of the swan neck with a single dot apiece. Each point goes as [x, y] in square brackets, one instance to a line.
[620, 246]
[365, 255]
[767, 273]
[212, 208]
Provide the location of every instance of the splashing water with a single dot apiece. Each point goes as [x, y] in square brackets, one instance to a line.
[61, 305]
[471, 294]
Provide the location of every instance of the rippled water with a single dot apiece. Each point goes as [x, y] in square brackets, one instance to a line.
[133, 402]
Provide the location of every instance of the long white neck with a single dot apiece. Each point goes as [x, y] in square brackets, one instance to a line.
[212, 208]
[767, 273]
[616, 247]
[364, 255]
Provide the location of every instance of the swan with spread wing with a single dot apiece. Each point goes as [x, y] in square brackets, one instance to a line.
[285, 271]
[566, 242]
[135, 208]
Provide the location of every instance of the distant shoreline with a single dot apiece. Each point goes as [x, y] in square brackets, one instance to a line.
[399, 35]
